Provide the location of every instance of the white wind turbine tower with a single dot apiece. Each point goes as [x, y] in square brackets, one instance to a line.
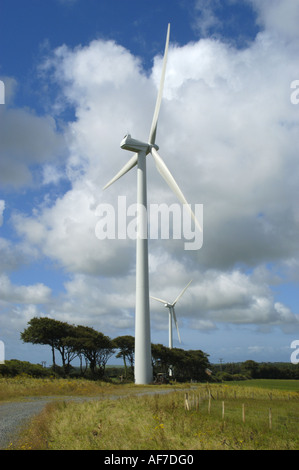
[143, 360]
[172, 315]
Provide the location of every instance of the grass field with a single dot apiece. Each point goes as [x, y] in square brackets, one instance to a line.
[23, 386]
[286, 385]
[237, 417]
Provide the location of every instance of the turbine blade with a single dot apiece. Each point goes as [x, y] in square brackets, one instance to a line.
[176, 324]
[152, 136]
[159, 300]
[127, 167]
[180, 295]
[165, 173]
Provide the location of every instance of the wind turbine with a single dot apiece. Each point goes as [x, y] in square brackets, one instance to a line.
[143, 360]
[170, 307]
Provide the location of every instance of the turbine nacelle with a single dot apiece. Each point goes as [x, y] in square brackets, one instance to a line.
[134, 145]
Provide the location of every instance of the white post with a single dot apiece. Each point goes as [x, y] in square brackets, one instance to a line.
[143, 359]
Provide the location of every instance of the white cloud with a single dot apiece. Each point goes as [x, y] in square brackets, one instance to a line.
[229, 135]
[224, 297]
[96, 301]
[32, 294]
[52, 174]
[13, 256]
[206, 17]
[279, 17]
[237, 137]
[66, 232]
[25, 140]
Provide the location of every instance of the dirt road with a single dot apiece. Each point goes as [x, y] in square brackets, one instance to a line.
[15, 414]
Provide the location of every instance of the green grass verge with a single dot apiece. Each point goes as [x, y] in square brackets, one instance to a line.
[162, 422]
[287, 385]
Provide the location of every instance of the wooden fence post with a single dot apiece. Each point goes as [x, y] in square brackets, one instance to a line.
[187, 407]
[270, 418]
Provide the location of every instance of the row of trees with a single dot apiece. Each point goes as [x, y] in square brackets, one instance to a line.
[186, 365]
[71, 341]
[255, 370]
[94, 350]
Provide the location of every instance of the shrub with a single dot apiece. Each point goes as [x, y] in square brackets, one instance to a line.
[15, 367]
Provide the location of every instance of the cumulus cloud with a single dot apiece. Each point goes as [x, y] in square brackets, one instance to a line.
[32, 294]
[13, 256]
[228, 133]
[26, 140]
[227, 297]
[206, 17]
[278, 17]
[52, 174]
[65, 232]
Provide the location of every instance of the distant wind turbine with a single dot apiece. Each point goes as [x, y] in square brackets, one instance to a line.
[170, 307]
[143, 360]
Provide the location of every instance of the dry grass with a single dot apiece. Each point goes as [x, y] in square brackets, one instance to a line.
[161, 422]
[23, 386]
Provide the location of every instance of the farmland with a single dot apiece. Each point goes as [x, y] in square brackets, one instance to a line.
[286, 385]
[256, 415]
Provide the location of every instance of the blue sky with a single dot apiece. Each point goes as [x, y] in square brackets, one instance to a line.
[79, 75]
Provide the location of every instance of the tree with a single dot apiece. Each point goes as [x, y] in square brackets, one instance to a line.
[196, 364]
[93, 345]
[105, 351]
[126, 345]
[190, 364]
[50, 332]
[66, 347]
[162, 358]
[14, 367]
[250, 368]
[185, 364]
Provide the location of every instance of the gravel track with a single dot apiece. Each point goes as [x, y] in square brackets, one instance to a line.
[15, 414]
